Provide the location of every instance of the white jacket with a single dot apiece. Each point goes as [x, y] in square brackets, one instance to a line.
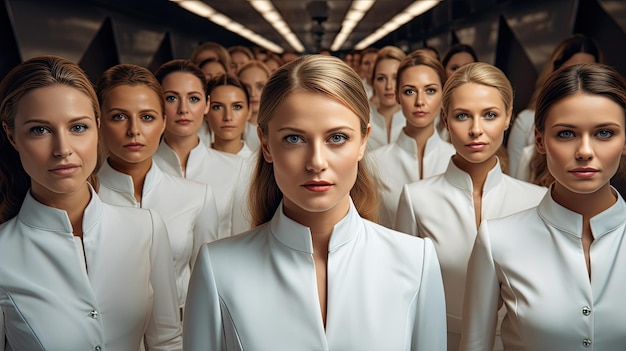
[258, 291]
[378, 135]
[111, 291]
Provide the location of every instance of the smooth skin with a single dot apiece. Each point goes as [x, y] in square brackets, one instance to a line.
[227, 116]
[457, 61]
[254, 79]
[384, 86]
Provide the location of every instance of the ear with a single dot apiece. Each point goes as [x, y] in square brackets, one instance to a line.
[444, 118]
[624, 150]
[363, 146]
[208, 104]
[164, 123]
[508, 119]
[267, 154]
[9, 134]
[540, 145]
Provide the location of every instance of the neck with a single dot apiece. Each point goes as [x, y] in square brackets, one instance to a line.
[137, 171]
[477, 171]
[254, 117]
[229, 146]
[388, 111]
[182, 146]
[74, 204]
[420, 135]
[587, 205]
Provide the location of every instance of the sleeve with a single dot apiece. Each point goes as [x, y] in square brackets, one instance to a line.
[429, 332]
[203, 321]
[164, 331]
[405, 216]
[207, 224]
[523, 166]
[518, 138]
[482, 296]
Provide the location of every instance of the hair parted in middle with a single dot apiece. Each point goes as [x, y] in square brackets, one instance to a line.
[319, 74]
[420, 58]
[128, 74]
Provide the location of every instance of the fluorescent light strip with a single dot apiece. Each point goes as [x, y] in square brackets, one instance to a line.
[358, 9]
[203, 10]
[267, 10]
[415, 9]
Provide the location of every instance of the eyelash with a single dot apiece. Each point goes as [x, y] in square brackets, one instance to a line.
[344, 138]
[561, 134]
[76, 128]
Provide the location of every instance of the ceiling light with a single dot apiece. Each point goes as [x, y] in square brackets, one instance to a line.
[269, 13]
[362, 5]
[415, 9]
[203, 10]
[358, 8]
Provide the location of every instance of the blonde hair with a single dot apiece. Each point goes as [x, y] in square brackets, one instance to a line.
[222, 54]
[483, 74]
[421, 58]
[387, 53]
[319, 74]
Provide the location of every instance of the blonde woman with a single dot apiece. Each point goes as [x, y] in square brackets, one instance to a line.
[253, 75]
[315, 274]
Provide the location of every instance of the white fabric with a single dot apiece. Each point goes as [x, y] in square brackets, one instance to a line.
[120, 293]
[187, 207]
[251, 137]
[396, 164]
[442, 208]
[205, 134]
[258, 291]
[369, 91]
[241, 218]
[220, 170]
[522, 134]
[378, 135]
[534, 263]
[523, 166]
[245, 150]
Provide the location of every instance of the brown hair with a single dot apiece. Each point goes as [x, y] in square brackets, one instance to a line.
[127, 74]
[254, 63]
[387, 53]
[182, 66]
[420, 58]
[219, 50]
[38, 72]
[330, 77]
[227, 79]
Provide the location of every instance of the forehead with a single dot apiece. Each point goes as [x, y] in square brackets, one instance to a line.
[461, 57]
[418, 73]
[472, 95]
[227, 91]
[387, 65]
[582, 109]
[182, 79]
[252, 73]
[54, 103]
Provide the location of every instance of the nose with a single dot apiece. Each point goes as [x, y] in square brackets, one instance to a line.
[133, 127]
[62, 148]
[584, 151]
[316, 161]
[476, 128]
[389, 84]
[182, 107]
[228, 115]
[419, 99]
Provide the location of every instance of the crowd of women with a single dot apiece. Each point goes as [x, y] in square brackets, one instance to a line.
[239, 200]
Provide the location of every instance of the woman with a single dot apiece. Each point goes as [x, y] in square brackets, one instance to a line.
[315, 275]
[457, 56]
[239, 55]
[573, 50]
[213, 51]
[418, 152]
[228, 114]
[132, 123]
[75, 273]
[212, 67]
[254, 75]
[386, 115]
[560, 266]
[477, 104]
[182, 154]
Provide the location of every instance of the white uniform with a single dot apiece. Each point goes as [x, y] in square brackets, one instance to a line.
[523, 166]
[113, 290]
[534, 262]
[396, 164]
[442, 208]
[245, 150]
[220, 170]
[259, 291]
[188, 209]
[251, 137]
[522, 134]
[378, 135]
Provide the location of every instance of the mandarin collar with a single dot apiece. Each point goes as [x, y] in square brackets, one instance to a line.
[462, 179]
[298, 237]
[123, 183]
[37, 215]
[572, 223]
[409, 145]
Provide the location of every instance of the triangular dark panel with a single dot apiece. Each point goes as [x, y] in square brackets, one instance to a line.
[454, 39]
[102, 52]
[512, 59]
[594, 21]
[163, 54]
[10, 53]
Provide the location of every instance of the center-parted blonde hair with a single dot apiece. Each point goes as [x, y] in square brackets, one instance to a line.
[318, 74]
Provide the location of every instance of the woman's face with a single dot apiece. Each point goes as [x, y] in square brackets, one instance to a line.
[56, 136]
[457, 61]
[238, 59]
[476, 120]
[583, 141]
[228, 113]
[254, 79]
[419, 97]
[385, 82]
[207, 54]
[185, 104]
[212, 69]
[314, 143]
[272, 64]
[579, 58]
[132, 124]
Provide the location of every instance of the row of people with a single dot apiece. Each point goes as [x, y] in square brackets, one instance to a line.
[312, 203]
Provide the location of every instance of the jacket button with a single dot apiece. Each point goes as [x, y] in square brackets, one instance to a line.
[97, 348]
[586, 310]
[586, 343]
[93, 314]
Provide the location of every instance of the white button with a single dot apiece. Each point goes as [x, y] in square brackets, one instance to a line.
[93, 314]
[97, 348]
[586, 310]
[586, 343]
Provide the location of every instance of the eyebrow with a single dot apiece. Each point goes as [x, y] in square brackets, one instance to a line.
[176, 93]
[302, 131]
[427, 85]
[601, 125]
[483, 110]
[41, 121]
[125, 111]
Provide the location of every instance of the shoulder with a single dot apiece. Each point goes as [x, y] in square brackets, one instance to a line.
[524, 188]
[399, 243]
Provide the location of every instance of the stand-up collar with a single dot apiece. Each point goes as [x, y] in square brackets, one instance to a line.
[123, 183]
[462, 179]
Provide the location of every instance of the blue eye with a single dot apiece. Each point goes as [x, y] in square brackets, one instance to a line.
[148, 118]
[38, 130]
[194, 99]
[237, 107]
[79, 128]
[605, 133]
[565, 134]
[409, 92]
[338, 138]
[118, 117]
[216, 107]
[170, 98]
[461, 116]
[292, 139]
[431, 91]
[491, 115]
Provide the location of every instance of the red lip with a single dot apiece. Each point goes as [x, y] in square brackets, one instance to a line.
[65, 169]
[134, 146]
[420, 113]
[183, 121]
[476, 146]
[584, 172]
[390, 96]
[317, 186]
